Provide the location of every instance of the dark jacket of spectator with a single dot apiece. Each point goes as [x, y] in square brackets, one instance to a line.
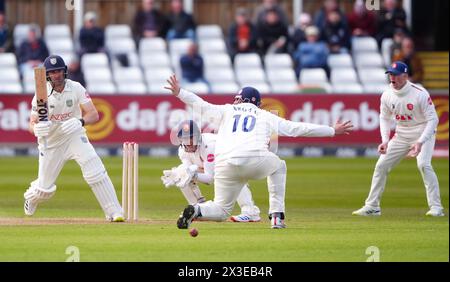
[336, 33]
[239, 33]
[362, 24]
[261, 11]
[32, 51]
[192, 67]
[389, 21]
[181, 23]
[92, 40]
[271, 30]
[151, 21]
[6, 41]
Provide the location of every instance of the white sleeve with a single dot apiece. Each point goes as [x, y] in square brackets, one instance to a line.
[34, 107]
[207, 176]
[385, 129]
[183, 158]
[385, 112]
[294, 129]
[200, 105]
[82, 94]
[429, 111]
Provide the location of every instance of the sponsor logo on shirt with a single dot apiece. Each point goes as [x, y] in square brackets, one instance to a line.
[61, 117]
[403, 117]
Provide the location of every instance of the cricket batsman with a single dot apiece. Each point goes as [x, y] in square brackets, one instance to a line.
[64, 138]
[415, 135]
[197, 155]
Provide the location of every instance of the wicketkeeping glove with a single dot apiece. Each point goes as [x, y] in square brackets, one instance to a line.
[168, 178]
[42, 128]
[71, 125]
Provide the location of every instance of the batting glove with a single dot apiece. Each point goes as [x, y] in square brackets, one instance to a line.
[71, 125]
[42, 129]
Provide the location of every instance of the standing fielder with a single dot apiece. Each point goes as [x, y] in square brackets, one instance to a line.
[197, 154]
[416, 117]
[63, 138]
[242, 153]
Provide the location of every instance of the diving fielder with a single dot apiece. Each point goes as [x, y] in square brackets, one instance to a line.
[242, 152]
[197, 154]
[63, 138]
[415, 135]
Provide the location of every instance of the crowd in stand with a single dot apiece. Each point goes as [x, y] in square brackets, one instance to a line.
[265, 30]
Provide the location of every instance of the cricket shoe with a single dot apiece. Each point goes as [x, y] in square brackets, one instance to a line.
[277, 220]
[245, 218]
[29, 207]
[435, 212]
[367, 211]
[185, 219]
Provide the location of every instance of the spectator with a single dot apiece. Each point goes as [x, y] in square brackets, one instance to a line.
[272, 34]
[181, 24]
[336, 34]
[192, 66]
[263, 9]
[242, 35]
[149, 21]
[75, 73]
[299, 35]
[320, 19]
[410, 58]
[32, 52]
[6, 42]
[2, 6]
[313, 53]
[397, 40]
[361, 21]
[92, 37]
[390, 18]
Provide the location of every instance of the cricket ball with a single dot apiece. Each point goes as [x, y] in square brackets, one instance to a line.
[193, 232]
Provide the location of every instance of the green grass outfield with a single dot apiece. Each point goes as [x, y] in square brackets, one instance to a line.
[321, 194]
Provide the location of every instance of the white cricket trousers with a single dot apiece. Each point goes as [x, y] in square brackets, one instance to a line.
[398, 148]
[232, 174]
[78, 148]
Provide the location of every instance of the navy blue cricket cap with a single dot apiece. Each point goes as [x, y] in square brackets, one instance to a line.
[249, 95]
[397, 68]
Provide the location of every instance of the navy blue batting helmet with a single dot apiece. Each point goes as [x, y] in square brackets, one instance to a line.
[249, 95]
[53, 63]
[189, 133]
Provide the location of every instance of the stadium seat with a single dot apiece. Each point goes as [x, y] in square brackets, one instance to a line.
[160, 59]
[315, 75]
[128, 75]
[94, 60]
[219, 75]
[152, 45]
[12, 88]
[131, 88]
[120, 46]
[56, 31]
[9, 75]
[376, 88]
[29, 86]
[8, 60]
[281, 75]
[340, 61]
[285, 88]
[277, 61]
[369, 60]
[249, 76]
[196, 87]
[153, 75]
[342, 75]
[117, 31]
[224, 88]
[372, 75]
[364, 44]
[179, 46]
[68, 57]
[248, 60]
[209, 31]
[215, 45]
[101, 88]
[348, 88]
[217, 60]
[99, 74]
[60, 45]
[157, 88]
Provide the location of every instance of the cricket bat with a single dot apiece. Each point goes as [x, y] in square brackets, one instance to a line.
[40, 79]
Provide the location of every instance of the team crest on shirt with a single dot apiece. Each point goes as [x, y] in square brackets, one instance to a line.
[210, 158]
[410, 107]
[69, 103]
